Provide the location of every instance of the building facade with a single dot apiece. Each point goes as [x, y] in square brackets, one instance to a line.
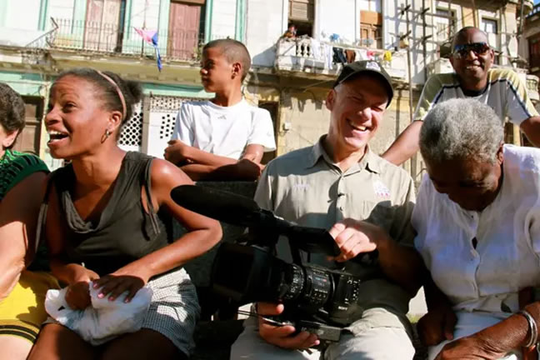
[290, 76]
[531, 40]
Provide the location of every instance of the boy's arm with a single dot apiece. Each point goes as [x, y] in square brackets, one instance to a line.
[201, 165]
[178, 153]
[243, 170]
[254, 152]
[182, 136]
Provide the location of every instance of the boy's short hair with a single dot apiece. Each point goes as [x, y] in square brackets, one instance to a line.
[234, 51]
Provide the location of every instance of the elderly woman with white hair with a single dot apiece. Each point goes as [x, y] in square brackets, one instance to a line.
[477, 218]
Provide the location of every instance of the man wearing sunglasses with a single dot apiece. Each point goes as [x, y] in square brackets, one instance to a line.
[499, 88]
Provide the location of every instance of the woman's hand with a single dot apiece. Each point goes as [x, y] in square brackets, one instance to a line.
[78, 293]
[130, 278]
[282, 336]
[470, 348]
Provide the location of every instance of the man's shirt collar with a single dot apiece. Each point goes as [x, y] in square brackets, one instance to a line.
[369, 161]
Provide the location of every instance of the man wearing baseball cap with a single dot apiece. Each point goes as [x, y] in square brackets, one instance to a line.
[365, 202]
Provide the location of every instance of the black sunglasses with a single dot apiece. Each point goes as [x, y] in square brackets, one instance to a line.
[479, 48]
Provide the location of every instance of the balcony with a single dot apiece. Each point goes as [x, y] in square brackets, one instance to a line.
[535, 11]
[439, 66]
[307, 57]
[110, 39]
[494, 5]
[532, 87]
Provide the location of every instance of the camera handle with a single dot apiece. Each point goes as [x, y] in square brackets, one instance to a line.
[295, 252]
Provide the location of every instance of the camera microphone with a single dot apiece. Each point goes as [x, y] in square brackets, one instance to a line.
[217, 204]
[242, 211]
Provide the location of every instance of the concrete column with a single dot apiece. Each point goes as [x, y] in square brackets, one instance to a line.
[516, 138]
[240, 28]
[43, 12]
[208, 20]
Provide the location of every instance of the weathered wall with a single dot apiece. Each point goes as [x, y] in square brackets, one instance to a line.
[265, 24]
[223, 19]
[21, 14]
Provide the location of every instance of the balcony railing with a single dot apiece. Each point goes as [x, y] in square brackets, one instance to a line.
[307, 55]
[97, 37]
[535, 10]
[532, 87]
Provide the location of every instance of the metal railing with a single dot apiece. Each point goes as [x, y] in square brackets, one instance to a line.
[46, 39]
[305, 54]
[535, 10]
[97, 37]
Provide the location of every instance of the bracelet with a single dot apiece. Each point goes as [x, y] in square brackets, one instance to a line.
[533, 328]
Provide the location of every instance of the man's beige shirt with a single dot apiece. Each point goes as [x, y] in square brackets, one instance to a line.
[306, 187]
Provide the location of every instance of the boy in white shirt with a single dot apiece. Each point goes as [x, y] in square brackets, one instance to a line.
[223, 138]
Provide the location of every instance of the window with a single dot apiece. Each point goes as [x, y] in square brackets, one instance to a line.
[302, 15]
[186, 24]
[103, 29]
[445, 24]
[29, 139]
[490, 27]
[371, 29]
[534, 53]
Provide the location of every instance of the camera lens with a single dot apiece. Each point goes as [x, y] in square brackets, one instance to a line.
[294, 280]
[307, 285]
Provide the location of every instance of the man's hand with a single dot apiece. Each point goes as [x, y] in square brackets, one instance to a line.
[177, 152]
[355, 237]
[282, 335]
[437, 325]
[469, 348]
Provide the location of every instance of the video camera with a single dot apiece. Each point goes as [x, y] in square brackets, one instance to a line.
[317, 299]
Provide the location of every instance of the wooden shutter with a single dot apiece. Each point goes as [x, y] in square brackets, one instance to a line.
[101, 27]
[371, 29]
[534, 52]
[191, 2]
[302, 10]
[183, 30]
[29, 139]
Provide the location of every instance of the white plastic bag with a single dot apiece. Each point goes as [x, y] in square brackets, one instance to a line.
[104, 319]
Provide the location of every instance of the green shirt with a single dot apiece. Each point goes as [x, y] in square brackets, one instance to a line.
[306, 187]
[15, 167]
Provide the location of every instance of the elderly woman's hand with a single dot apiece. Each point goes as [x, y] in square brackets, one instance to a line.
[470, 348]
[437, 325]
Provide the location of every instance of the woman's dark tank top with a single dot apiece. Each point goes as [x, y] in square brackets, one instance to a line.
[125, 231]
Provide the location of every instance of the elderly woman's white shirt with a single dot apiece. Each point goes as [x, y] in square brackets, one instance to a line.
[507, 257]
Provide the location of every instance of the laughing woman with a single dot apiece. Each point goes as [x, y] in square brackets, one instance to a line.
[106, 216]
